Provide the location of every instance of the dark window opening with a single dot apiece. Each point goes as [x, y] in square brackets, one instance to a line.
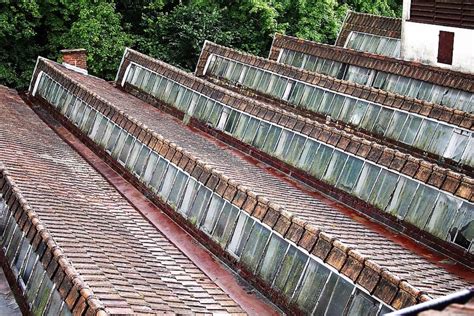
[445, 47]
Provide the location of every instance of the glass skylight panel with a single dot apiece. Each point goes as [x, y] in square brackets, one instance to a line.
[272, 258]
[212, 214]
[290, 271]
[253, 251]
[346, 171]
[414, 88]
[374, 44]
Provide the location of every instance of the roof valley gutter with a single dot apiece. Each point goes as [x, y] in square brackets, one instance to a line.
[196, 252]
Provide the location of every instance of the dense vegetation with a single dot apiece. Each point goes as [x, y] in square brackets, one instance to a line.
[172, 30]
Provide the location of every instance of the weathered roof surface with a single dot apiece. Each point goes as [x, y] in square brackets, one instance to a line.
[128, 264]
[388, 250]
[368, 23]
[454, 309]
[439, 76]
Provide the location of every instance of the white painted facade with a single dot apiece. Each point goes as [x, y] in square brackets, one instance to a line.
[420, 43]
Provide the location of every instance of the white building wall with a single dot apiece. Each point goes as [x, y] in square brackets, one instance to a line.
[420, 43]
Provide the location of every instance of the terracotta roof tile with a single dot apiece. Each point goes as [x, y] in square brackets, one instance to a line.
[312, 208]
[109, 247]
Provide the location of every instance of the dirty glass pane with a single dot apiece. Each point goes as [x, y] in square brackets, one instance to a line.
[42, 297]
[177, 190]
[274, 253]
[272, 139]
[370, 117]
[350, 174]
[321, 161]
[290, 271]
[34, 282]
[250, 131]
[54, 303]
[225, 224]
[326, 101]
[150, 167]
[240, 235]
[457, 144]
[188, 198]
[402, 197]
[394, 129]
[126, 149]
[462, 231]
[312, 285]
[223, 118]
[141, 160]
[200, 205]
[294, 149]
[385, 309]
[468, 156]
[285, 138]
[14, 244]
[358, 113]
[315, 100]
[253, 251]
[425, 134]
[241, 126]
[362, 304]
[158, 174]
[21, 255]
[335, 166]
[441, 139]
[26, 273]
[410, 129]
[326, 294]
[132, 157]
[296, 93]
[336, 105]
[382, 121]
[261, 134]
[232, 122]
[383, 189]
[443, 214]
[213, 212]
[340, 297]
[167, 182]
[347, 109]
[307, 155]
[422, 205]
[215, 114]
[366, 181]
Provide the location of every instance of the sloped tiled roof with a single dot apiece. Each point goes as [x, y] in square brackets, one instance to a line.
[369, 23]
[118, 261]
[439, 76]
[315, 211]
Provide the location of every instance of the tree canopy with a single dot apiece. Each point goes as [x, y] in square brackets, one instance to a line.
[172, 30]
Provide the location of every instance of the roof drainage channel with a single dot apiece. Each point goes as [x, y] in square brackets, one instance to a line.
[251, 302]
[424, 133]
[324, 161]
[289, 270]
[374, 72]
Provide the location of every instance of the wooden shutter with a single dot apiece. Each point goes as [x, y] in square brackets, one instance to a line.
[445, 47]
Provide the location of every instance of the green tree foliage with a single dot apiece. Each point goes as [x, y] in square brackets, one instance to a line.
[18, 20]
[172, 30]
[98, 29]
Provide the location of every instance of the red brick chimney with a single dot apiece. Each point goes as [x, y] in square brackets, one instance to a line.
[75, 57]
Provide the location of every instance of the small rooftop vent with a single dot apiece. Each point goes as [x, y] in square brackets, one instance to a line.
[75, 59]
